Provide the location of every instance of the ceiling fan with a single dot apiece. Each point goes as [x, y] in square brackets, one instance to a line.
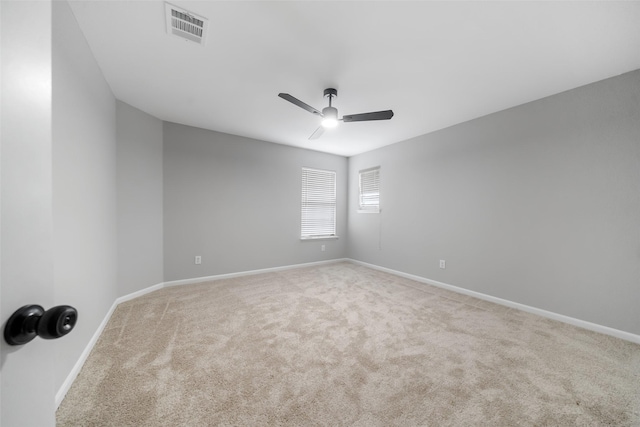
[330, 114]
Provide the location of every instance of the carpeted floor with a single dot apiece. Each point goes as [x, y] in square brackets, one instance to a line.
[344, 345]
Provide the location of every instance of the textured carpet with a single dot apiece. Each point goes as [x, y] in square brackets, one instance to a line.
[341, 344]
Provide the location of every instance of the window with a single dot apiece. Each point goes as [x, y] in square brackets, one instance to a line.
[318, 204]
[370, 190]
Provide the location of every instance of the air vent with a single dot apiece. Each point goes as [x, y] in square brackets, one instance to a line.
[186, 25]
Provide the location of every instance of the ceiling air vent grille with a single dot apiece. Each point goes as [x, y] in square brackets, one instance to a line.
[185, 24]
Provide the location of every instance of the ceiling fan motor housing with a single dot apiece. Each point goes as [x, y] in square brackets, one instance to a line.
[330, 117]
[330, 113]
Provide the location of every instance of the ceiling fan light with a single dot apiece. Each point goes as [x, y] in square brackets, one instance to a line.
[328, 122]
[330, 119]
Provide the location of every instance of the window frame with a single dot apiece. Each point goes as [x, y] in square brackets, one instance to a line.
[319, 211]
[363, 206]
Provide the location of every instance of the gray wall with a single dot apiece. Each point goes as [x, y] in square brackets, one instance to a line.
[236, 202]
[84, 187]
[139, 189]
[26, 256]
[538, 204]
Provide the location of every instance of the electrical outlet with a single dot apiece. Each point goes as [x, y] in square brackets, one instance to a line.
[443, 264]
[198, 259]
[322, 248]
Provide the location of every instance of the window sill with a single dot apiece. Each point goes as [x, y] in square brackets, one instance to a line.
[368, 211]
[320, 238]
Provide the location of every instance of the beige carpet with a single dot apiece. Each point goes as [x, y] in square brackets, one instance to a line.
[343, 345]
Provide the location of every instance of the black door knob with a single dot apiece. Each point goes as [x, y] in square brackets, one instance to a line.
[32, 320]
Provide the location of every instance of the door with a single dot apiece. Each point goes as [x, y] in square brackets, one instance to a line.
[27, 395]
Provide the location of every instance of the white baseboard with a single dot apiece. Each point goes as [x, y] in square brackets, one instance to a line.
[64, 388]
[250, 272]
[139, 293]
[66, 385]
[627, 336]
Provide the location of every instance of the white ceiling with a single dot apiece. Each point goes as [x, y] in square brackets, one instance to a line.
[434, 63]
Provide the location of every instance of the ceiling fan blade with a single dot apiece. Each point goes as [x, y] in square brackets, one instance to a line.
[300, 104]
[378, 115]
[317, 133]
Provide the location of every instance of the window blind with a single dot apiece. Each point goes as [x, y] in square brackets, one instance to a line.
[370, 190]
[318, 203]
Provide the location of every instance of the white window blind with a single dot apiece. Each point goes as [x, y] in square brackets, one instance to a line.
[318, 203]
[370, 190]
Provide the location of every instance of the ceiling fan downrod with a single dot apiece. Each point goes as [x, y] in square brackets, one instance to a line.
[330, 92]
